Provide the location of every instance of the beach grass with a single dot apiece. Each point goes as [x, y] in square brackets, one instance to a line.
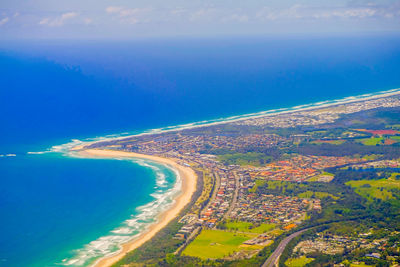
[216, 244]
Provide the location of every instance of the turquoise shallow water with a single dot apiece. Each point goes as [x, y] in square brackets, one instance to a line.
[57, 205]
[53, 206]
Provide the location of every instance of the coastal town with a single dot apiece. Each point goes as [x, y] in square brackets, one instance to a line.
[251, 172]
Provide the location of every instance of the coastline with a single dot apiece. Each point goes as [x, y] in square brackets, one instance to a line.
[189, 181]
[77, 145]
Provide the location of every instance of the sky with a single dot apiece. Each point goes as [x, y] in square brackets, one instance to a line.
[130, 19]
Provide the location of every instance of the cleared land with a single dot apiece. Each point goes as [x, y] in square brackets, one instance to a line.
[216, 244]
[249, 227]
[375, 189]
[320, 195]
[298, 262]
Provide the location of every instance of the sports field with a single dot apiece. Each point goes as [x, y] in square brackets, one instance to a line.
[216, 244]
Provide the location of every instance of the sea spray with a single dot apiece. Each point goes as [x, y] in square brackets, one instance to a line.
[131, 228]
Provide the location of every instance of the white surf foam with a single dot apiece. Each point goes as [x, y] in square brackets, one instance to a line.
[132, 227]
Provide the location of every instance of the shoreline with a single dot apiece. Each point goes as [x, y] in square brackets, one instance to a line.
[72, 146]
[187, 175]
[189, 181]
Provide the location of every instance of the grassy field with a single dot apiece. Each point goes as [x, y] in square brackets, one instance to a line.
[320, 195]
[375, 189]
[394, 176]
[332, 142]
[373, 141]
[217, 244]
[360, 264]
[250, 158]
[317, 177]
[257, 184]
[205, 194]
[298, 262]
[249, 227]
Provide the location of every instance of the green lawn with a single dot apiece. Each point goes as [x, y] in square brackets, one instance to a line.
[320, 195]
[361, 264]
[332, 142]
[216, 244]
[371, 157]
[298, 262]
[317, 177]
[373, 141]
[394, 176]
[250, 158]
[258, 183]
[249, 227]
[375, 189]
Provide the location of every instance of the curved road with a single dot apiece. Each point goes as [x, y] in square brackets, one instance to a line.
[272, 260]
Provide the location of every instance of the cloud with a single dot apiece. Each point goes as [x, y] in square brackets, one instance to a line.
[206, 14]
[129, 15]
[236, 18]
[4, 21]
[293, 12]
[87, 21]
[347, 13]
[113, 9]
[60, 20]
[297, 12]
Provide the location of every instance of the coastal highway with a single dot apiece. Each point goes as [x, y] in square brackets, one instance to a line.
[272, 260]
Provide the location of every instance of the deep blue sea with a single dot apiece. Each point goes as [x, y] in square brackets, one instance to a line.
[56, 207]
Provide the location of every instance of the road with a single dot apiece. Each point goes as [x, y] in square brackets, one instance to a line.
[234, 198]
[272, 260]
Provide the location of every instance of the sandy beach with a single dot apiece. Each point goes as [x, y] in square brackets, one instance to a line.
[189, 181]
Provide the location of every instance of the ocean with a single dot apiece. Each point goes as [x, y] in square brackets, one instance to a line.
[58, 209]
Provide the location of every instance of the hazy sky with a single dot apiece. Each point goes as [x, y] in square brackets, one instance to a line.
[159, 18]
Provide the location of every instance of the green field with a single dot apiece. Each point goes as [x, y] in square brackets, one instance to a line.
[317, 177]
[320, 195]
[249, 227]
[373, 141]
[216, 244]
[375, 189]
[394, 176]
[298, 262]
[332, 142]
[250, 158]
[360, 264]
[258, 183]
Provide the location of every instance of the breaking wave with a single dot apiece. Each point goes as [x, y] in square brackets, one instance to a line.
[146, 215]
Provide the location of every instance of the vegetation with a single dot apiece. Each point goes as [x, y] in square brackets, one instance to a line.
[247, 227]
[298, 262]
[216, 244]
[320, 195]
[383, 189]
[208, 185]
[354, 202]
[373, 141]
[250, 158]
